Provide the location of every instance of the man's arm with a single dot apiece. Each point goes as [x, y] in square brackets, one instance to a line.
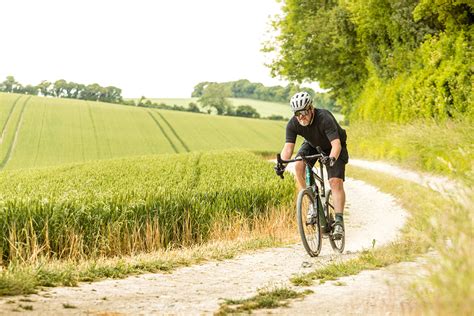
[287, 151]
[336, 148]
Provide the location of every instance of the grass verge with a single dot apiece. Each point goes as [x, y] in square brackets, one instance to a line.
[445, 148]
[266, 298]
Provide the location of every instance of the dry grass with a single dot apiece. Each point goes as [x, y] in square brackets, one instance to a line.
[231, 237]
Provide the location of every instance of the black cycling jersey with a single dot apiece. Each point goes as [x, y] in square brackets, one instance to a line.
[322, 130]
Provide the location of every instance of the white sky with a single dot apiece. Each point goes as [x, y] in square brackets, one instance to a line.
[152, 48]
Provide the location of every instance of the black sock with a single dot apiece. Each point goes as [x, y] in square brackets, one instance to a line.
[339, 217]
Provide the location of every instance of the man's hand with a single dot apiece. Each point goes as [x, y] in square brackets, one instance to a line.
[328, 161]
[279, 169]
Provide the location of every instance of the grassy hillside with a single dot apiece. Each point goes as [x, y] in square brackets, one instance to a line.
[47, 131]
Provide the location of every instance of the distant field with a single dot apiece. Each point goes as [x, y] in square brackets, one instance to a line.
[41, 132]
[264, 108]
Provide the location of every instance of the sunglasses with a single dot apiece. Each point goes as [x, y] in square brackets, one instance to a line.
[302, 112]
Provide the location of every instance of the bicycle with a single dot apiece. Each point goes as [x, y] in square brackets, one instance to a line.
[314, 208]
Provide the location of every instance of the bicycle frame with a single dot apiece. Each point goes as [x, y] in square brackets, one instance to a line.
[311, 178]
[319, 192]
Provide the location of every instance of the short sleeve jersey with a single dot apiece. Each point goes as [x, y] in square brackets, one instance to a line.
[320, 132]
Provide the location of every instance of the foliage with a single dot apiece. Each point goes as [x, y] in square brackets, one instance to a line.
[215, 97]
[439, 86]
[383, 60]
[256, 91]
[118, 207]
[317, 42]
[246, 111]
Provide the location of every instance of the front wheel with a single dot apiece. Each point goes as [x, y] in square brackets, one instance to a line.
[336, 244]
[309, 228]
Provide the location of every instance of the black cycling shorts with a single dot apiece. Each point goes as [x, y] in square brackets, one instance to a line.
[336, 171]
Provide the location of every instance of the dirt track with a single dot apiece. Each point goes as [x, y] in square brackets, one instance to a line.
[199, 289]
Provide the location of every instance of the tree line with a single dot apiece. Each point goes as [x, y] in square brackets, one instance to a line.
[64, 89]
[252, 90]
[210, 107]
[384, 60]
[243, 88]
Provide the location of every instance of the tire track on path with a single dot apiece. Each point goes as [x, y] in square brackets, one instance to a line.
[17, 129]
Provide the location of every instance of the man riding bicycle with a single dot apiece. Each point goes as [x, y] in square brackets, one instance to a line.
[319, 128]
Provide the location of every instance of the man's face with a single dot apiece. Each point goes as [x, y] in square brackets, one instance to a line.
[304, 116]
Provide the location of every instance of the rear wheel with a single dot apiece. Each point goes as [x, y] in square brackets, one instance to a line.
[309, 229]
[336, 244]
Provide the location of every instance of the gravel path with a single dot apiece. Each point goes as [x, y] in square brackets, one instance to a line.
[199, 289]
[439, 184]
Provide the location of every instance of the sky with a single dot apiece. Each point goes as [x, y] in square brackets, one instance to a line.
[152, 48]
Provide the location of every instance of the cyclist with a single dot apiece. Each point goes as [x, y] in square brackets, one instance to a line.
[318, 127]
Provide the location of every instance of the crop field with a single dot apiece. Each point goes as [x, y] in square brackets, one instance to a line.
[10, 119]
[123, 206]
[39, 132]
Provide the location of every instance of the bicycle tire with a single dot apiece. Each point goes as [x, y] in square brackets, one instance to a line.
[337, 245]
[310, 232]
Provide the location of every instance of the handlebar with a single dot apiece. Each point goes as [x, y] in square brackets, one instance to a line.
[304, 158]
[320, 154]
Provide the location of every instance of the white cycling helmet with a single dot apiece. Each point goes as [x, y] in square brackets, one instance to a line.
[300, 101]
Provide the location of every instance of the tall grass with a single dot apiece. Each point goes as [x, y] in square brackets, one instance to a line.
[126, 206]
[444, 148]
[236, 236]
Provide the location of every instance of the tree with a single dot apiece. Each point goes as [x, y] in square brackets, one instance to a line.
[318, 42]
[44, 88]
[113, 94]
[193, 107]
[199, 89]
[247, 111]
[29, 89]
[59, 88]
[10, 85]
[215, 96]
[94, 92]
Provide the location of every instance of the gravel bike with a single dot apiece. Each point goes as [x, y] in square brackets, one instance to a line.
[314, 208]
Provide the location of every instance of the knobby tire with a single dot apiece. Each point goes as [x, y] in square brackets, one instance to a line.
[310, 233]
